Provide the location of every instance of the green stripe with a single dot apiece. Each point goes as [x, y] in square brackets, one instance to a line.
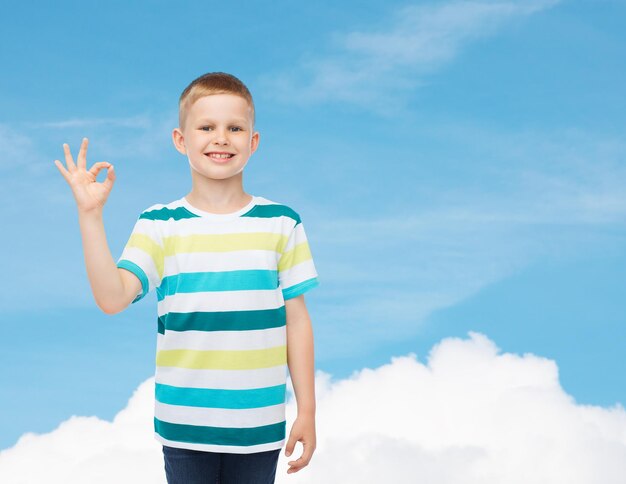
[220, 398]
[260, 211]
[221, 435]
[168, 213]
[224, 320]
[188, 282]
[271, 211]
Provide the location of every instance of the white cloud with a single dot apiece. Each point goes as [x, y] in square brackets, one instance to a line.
[88, 449]
[373, 66]
[134, 122]
[471, 414]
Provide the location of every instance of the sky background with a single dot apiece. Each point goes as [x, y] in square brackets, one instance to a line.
[459, 167]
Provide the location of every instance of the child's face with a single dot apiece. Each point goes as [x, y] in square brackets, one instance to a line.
[219, 123]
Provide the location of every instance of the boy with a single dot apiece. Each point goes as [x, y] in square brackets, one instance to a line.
[230, 270]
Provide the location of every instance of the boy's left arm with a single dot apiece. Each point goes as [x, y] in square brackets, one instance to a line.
[300, 359]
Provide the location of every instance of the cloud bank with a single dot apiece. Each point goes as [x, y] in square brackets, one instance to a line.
[372, 66]
[469, 414]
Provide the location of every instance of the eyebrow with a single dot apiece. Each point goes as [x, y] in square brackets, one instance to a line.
[235, 120]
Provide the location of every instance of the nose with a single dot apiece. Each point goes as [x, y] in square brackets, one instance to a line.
[220, 137]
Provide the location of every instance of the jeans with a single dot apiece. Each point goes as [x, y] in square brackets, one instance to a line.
[186, 466]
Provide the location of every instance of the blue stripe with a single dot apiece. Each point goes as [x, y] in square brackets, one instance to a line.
[253, 279]
[220, 398]
[300, 288]
[138, 271]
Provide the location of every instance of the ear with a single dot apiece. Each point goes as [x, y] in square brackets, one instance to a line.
[254, 142]
[179, 141]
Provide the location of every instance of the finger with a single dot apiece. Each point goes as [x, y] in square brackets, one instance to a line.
[293, 469]
[82, 154]
[307, 452]
[95, 169]
[63, 171]
[108, 183]
[68, 158]
[291, 443]
[304, 459]
[297, 463]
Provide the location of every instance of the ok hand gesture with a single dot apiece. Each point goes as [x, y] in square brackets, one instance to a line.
[88, 193]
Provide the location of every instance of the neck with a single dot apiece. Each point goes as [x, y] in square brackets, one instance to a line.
[218, 195]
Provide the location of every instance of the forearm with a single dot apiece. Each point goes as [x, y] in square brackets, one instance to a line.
[300, 359]
[106, 282]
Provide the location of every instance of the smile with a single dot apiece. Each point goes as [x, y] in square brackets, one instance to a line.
[219, 157]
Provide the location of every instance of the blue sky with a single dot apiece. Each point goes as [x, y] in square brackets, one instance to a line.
[459, 166]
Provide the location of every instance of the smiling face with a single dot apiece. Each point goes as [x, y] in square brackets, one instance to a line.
[218, 136]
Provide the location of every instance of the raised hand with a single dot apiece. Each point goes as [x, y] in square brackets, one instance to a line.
[88, 193]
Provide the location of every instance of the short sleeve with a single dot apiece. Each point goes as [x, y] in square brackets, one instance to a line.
[296, 270]
[143, 254]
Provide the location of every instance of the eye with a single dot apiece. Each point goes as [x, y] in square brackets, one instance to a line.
[237, 127]
[205, 128]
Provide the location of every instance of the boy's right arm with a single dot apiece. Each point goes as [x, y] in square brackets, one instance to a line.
[113, 288]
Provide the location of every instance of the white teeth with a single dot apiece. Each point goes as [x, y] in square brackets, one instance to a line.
[219, 155]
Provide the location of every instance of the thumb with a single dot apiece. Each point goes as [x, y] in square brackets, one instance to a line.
[290, 445]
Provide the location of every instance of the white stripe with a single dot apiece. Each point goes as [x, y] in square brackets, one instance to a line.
[218, 417]
[146, 226]
[231, 449]
[225, 379]
[298, 273]
[221, 261]
[211, 301]
[296, 237]
[199, 226]
[254, 339]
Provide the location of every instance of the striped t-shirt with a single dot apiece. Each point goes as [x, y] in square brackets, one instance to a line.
[221, 282]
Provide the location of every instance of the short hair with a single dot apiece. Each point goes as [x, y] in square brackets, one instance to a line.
[212, 83]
